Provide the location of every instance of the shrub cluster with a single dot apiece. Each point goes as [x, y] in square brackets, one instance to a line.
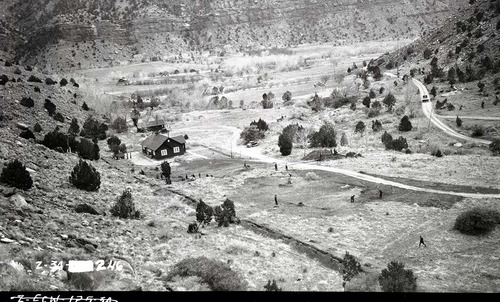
[437, 153]
[366, 101]
[85, 177]
[56, 140]
[477, 130]
[14, 174]
[94, 129]
[113, 140]
[376, 126]
[116, 146]
[272, 286]
[325, 137]
[218, 275]
[225, 213]
[120, 125]
[477, 221]
[287, 96]
[85, 148]
[27, 102]
[267, 102]
[343, 140]
[285, 143]
[251, 133]
[85, 106]
[360, 128]
[405, 124]
[49, 81]
[351, 267]
[261, 125]
[35, 79]
[74, 128]
[37, 127]
[166, 171]
[394, 144]
[27, 134]
[395, 278]
[204, 213]
[59, 117]
[51, 107]
[495, 146]
[389, 101]
[124, 207]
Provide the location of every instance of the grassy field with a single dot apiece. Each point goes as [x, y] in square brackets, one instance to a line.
[375, 230]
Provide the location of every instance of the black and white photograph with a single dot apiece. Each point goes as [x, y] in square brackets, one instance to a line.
[307, 147]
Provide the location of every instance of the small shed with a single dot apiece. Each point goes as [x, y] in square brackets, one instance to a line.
[156, 125]
[159, 146]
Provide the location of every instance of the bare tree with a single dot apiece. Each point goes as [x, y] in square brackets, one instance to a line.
[303, 137]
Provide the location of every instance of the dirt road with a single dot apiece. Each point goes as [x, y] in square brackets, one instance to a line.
[427, 109]
[255, 153]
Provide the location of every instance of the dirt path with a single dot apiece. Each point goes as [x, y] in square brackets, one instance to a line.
[428, 112]
[471, 117]
[255, 153]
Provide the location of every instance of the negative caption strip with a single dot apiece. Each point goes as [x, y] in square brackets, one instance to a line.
[82, 266]
[40, 298]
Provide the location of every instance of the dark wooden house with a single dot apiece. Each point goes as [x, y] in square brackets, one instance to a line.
[159, 146]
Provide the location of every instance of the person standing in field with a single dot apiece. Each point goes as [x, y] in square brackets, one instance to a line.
[276, 166]
[276, 199]
[352, 198]
[421, 242]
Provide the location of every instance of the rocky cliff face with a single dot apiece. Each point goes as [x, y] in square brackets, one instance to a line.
[145, 29]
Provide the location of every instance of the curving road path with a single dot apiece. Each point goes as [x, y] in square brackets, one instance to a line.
[255, 154]
[472, 117]
[428, 112]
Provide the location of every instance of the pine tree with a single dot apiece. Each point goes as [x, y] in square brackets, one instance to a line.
[360, 127]
[166, 170]
[376, 126]
[85, 177]
[74, 128]
[204, 213]
[14, 174]
[405, 124]
[285, 144]
[343, 140]
[85, 107]
[352, 267]
[395, 278]
[389, 101]
[124, 206]
[367, 101]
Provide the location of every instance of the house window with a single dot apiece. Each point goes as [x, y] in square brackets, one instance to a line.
[164, 152]
[176, 150]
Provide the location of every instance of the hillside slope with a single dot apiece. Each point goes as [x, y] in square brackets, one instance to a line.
[469, 40]
[57, 35]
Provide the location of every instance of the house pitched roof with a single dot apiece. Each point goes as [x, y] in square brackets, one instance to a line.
[154, 141]
[179, 138]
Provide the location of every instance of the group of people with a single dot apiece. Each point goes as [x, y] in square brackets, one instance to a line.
[380, 192]
[193, 176]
